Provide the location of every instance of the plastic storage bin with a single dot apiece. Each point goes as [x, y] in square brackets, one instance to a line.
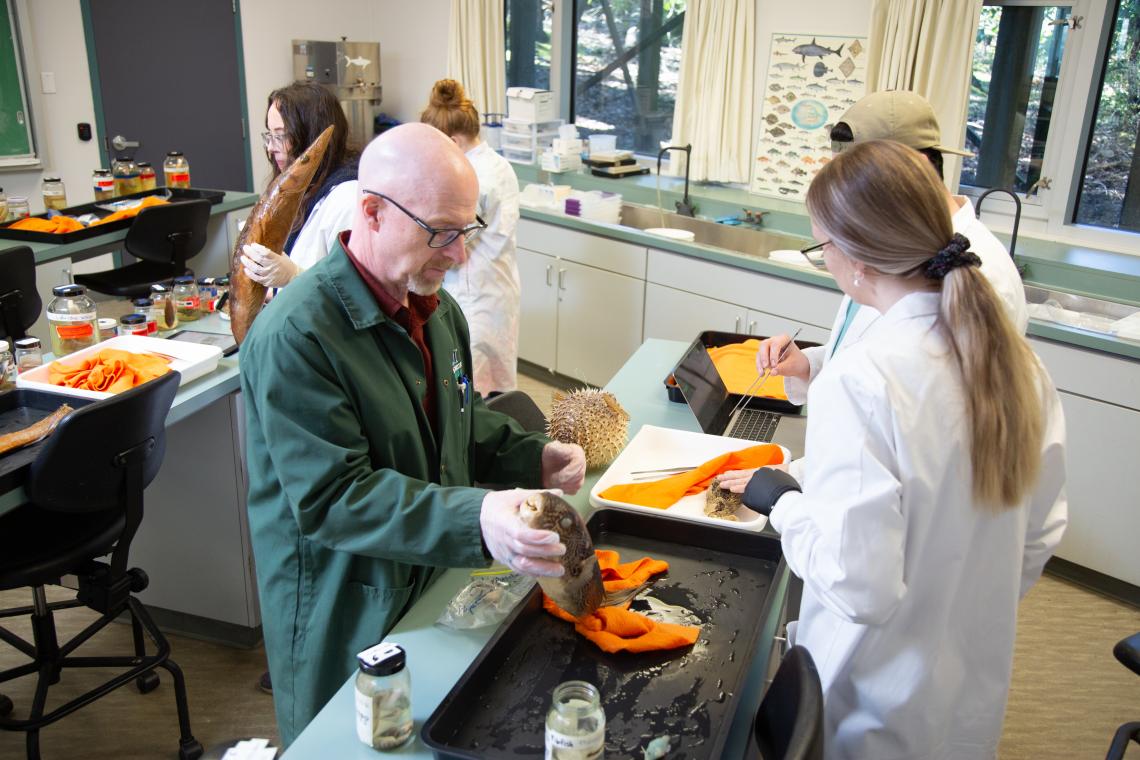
[530, 104]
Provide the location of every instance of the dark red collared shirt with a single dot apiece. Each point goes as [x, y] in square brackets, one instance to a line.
[412, 318]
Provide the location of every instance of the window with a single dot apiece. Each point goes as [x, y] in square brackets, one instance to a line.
[626, 64]
[16, 144]
[1109, 191]
[1017, 63]
[528, 36]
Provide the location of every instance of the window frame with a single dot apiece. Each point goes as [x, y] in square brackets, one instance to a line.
[17, 11]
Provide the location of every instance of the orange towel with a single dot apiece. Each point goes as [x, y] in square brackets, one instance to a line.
[617, 629]
[736, 364]
[55, 225]
[666, 492]
[110, 371]
[127, 213]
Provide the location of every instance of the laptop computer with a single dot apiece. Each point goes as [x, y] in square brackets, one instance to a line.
[706, 395]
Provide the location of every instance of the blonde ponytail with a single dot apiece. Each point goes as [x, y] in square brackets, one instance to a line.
[882, 203]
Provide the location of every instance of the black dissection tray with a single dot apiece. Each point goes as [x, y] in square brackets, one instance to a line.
[176, 194]
[20, 408]
[725, 577]
[714, 338]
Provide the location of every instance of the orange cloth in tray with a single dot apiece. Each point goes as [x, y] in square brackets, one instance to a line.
[55, 225]
[666, 492]
[109, 371]
[736, 364]
[127, 213]
[617, 629]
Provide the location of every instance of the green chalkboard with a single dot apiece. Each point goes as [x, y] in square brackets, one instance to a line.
[15, 134]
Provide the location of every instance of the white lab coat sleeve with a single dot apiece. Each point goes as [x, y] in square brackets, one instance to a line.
[502, 222]
[844, 535]
[1049, 504]
[797, 389]
[331, 216]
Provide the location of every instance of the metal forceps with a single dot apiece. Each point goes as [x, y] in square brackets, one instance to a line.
[761, 378]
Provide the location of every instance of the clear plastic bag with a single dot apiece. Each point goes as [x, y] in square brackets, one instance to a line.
[486, 599]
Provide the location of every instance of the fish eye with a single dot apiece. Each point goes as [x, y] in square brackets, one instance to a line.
[566, 522]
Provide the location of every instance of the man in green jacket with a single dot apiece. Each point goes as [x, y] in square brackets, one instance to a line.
[364, 438]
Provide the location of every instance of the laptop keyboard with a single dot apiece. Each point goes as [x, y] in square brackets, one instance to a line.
[754, 425]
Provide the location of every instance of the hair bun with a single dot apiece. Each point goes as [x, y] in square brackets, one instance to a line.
[447, 93]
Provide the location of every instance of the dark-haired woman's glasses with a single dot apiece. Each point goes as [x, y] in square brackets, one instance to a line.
[273, 139]
[814, 255]
[438, 237]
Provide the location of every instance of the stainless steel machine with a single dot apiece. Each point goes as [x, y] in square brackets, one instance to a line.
[349, 69]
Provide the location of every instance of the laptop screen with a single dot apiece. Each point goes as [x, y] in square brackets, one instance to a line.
[703, 389]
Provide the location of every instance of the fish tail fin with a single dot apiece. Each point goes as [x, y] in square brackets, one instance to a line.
[622, 596]
[839, 52]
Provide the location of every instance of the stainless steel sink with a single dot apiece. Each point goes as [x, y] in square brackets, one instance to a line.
[741, 239]
[1082, 304]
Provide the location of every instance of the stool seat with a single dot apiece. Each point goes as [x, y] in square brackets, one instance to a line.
[74, 539]
[1127, 651]
[131, 281]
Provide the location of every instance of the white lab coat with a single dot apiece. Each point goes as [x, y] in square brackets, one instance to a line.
[910, 591]
[331, 216]
[487, 286]
[997, 266]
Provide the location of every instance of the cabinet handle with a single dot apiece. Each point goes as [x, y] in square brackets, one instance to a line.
[562, 279]
[548, 282]
[752, 327]
[736, 324]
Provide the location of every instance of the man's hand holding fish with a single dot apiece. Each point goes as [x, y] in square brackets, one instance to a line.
[525, 550]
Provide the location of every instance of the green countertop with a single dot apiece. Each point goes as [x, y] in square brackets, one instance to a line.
[1048, 264]
[437, 657]
[45, 252]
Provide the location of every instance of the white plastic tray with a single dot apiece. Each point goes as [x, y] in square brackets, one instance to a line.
[657, 447]
[192, 360]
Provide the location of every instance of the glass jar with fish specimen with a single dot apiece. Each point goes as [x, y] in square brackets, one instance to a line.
[576, 723]
[383, 697]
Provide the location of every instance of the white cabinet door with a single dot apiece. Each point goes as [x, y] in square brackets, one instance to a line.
[673, 314]
[538, 323]
[765, 325]
[599, 321]
[1104, 493]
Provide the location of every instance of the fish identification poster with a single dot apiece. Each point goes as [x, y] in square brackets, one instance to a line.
[812, 80]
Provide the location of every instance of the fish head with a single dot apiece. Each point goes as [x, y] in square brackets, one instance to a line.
[296, 179]
[546, 511]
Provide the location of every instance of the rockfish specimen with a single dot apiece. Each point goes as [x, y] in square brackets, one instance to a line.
[269, 224]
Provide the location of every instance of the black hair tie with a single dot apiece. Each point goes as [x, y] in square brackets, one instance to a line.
[956, 254]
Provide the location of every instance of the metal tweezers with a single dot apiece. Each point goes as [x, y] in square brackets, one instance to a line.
[761, 378]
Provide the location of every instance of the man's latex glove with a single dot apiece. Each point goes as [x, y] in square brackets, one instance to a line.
[522, 549]
[271, 269]
[563, 466]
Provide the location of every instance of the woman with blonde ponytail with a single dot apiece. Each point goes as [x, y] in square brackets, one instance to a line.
[933, 481]
[487, 286]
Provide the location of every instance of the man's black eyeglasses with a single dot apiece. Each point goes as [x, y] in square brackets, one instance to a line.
[814, 255]
[438, 237]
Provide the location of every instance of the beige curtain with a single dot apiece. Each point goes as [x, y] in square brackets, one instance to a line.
[476, 52]
[714, 95]
[927, 46]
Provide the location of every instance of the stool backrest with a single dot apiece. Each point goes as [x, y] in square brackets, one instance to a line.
[172, 232]
[83, 466]
[19, 300]
[789, 723]
[522, 408]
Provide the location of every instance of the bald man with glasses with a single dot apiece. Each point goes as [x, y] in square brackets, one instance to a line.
[364, 438]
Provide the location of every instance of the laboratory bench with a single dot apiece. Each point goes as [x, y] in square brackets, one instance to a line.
[437, 657]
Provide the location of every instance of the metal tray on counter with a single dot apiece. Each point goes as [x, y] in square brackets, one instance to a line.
[20, 408]
[176, 194]
[498, 707]
[714, 338]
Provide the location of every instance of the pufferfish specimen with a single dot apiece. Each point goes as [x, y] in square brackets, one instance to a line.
[594, 420]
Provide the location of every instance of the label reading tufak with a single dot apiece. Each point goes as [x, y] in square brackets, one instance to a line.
[576, 723]
[383, 697]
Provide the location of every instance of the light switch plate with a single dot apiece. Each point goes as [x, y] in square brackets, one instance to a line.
[47, 82]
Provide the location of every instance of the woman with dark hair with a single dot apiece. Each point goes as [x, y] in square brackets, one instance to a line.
[933, 487]
[487, 286]
[295, 116]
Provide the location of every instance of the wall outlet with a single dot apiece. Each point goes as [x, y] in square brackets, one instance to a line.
[47, 82]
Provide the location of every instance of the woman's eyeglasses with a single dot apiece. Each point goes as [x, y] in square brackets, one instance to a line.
[273, 139]
[438, 237]
[814, 255]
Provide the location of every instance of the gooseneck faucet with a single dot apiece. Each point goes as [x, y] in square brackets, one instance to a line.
[684, 206]
[1016, 216]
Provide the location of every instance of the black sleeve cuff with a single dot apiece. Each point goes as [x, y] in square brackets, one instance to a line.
[765, 489]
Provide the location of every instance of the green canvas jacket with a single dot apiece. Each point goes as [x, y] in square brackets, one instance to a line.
[354, 505]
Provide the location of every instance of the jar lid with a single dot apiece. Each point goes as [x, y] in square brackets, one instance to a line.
[175, 153]
[205, 280]
[52, 179]
[184, 279]
[223, 281]
[106, 323]
[144, 301]
[68, 290]
[100, 172]
[28, 343]
[17, 199]
[3, 345]
[384, 659]
[158, 287]
[133, 319]
[144, 163]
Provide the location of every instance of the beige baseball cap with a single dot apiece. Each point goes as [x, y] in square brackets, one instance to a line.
[898, 115]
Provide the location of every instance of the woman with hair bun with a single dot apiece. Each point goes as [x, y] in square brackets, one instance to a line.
[934, 473]
[295, 115]
[487, 286]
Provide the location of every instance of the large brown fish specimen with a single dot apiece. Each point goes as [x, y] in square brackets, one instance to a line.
[33, 433]
[269, 224]
[579, 590]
